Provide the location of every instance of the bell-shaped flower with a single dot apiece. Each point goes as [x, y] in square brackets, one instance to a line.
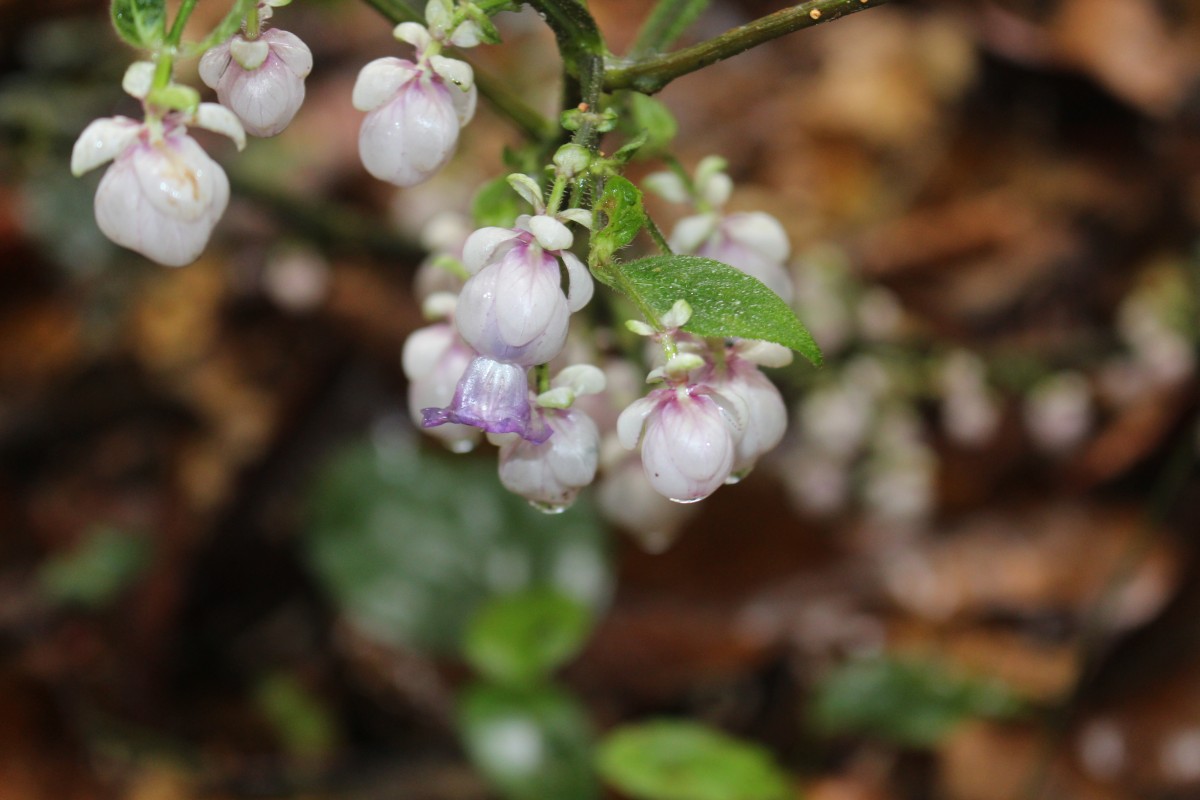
[434, 360]
[414, 113]
[753, 242]
[740, 381]
[492, 396]
[513, 308]
[688, 434]
[162, 195]
[261, 80]
[550, 474]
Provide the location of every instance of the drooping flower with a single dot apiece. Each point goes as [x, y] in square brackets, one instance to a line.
[551, 473]
[513, 307]
[261, 80]
[163, 195]
[491, 395]
[740, 380]
[414, 111]
[688, 435]
[434, 360]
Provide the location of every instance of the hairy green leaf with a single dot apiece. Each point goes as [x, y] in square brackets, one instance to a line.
[620, 215]
[678, 760]
[142, 23]
[725, 301]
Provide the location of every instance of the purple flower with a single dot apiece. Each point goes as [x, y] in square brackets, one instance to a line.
[260, 80]
[550, 473]
[513, 307]
[494, 396]
[688, 436]
[163, 195]
[434, 360]
[414, 112]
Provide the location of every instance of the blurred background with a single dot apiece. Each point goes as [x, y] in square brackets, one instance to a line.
[230, 567]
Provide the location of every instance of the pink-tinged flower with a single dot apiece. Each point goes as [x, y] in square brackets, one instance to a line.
[434, 360]
[491, 395]
[513, 308]
[765, 413]
[550, 474]
[414, 112]
[689, 436]
[753, 242]
[163, 195]
[260, 80]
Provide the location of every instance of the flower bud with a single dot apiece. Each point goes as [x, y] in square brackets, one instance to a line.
[413, 117]
[688, 436]
[260, 80]
[765, 412]
[493, 396]
[550, 474]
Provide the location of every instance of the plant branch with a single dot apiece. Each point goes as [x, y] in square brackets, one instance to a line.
[508, 104]
[650, 75]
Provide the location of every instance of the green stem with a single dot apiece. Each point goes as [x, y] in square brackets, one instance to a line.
[651, 74]
[176, 34]
[657, 235]
[508, 104]
[541, 377]
[556, 195]
[574, 29]
[253, 24]
[666, 23]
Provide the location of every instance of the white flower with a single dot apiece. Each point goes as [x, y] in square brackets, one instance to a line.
[689, 438]
[513, 308]
[260, 80]
[414, 112]
[764, 410]
[163, 195]
[549, 475]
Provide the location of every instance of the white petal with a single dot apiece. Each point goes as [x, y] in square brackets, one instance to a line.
[406, 140]
[249, 54]
[424, 348]
[213, 64]
[464, 104]
[691, 232]
[558, 397]
[708, 166]
[291, 50]
[102, 141]
[219, 119]
[413, 33]
[438, 14]
[765, 354]
[550, 233]
[454, 71]
[633, 420]
[581, 379]
[678, 315]
[580, 216]
[138, 79]
[481, 246]
[580, 286]
[466, 34]
[760, 231]
[716, 190]
[668, 186]
[528, 188]
[379, 81]
[733, 410]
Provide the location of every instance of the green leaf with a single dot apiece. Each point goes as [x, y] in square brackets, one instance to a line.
[496, 204]
[676, 760]
[619, 216]
[909, 702]
[651, 117]
[103, 565]
[410, 543]
[302, 722]
[725, 301]
[142, 23]
[226, 28]
[667, 23]
[521, 638]
[531, 744]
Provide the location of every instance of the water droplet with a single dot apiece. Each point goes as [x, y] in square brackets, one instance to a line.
[550, 508]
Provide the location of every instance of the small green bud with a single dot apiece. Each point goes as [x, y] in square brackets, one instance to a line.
[572, 160]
